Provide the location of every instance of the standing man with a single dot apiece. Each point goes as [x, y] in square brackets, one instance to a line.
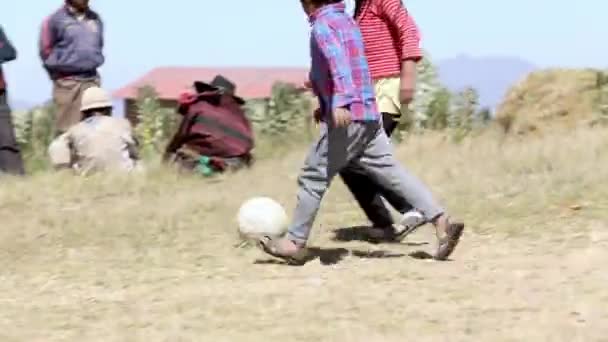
[71, 49]
[10, 155]
[392, 48]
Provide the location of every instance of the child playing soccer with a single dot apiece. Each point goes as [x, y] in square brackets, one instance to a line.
[351, 136]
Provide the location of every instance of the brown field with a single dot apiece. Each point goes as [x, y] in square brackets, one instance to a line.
[153, 259]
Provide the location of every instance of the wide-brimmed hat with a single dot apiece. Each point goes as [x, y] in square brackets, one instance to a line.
[95, 98]
[219, 83]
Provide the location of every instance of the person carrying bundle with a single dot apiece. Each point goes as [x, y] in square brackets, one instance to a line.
[214, 135]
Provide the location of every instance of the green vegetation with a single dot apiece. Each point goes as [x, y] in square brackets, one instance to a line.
[280, 122]
[156, 124]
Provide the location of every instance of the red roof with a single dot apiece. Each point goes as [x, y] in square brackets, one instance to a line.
[251, 82]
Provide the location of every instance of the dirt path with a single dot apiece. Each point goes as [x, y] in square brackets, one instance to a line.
[152, 259]
[501, 289]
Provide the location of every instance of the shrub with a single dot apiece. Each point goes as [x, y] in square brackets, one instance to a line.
[156, 124]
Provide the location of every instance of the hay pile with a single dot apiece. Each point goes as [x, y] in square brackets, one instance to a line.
[552, 98]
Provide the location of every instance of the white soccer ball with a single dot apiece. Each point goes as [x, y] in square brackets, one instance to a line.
[261, 216]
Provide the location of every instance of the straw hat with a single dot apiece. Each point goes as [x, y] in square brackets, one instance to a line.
[95, 98]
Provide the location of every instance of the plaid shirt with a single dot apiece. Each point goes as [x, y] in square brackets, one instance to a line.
[339, 73]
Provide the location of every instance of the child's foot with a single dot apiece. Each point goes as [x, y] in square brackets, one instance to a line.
[410, 221]
[448, 236]
[284, 249]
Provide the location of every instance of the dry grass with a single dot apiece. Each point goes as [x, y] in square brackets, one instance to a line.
[553, 97]
[111, 259]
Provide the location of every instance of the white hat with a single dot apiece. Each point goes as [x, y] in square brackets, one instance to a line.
[95, 98]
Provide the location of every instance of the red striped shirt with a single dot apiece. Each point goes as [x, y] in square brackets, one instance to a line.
[390, 36]
[2, 82]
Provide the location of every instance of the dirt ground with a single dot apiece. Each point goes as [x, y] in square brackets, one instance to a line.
[153, 259]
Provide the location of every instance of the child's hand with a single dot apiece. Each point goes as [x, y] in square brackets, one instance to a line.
[408, 83]
[342, 117]
[406, 91]
[307, 84]
[316, 115]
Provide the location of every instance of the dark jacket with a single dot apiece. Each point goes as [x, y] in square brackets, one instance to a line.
[213, 127]
[7, 50]
[70, 47]
[7, 54]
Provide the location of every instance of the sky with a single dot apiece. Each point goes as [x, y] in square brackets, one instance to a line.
[143, 34]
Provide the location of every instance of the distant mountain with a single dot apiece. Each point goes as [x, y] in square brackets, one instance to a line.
[491, 76]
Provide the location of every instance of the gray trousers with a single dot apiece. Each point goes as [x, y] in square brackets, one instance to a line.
[369, 194]
[10, 154]
[362, 147]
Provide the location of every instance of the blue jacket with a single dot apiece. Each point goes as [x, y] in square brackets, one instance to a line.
[70, 47]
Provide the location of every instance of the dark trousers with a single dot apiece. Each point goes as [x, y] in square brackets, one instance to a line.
[10, 154]
[369, 193]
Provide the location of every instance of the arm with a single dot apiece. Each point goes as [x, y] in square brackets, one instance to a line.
[60, 153]
[334, 52]
[130, 139]
[403, 27]
[7, 50]
[47, 39]
[101, 32]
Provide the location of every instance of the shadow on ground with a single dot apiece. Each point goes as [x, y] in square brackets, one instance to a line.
[359, 233]
[333, 256]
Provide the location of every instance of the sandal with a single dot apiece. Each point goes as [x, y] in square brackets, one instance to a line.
[274, 248]
[410, 222]
[448, 243]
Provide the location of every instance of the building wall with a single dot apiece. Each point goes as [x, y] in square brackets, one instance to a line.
[131, 111]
